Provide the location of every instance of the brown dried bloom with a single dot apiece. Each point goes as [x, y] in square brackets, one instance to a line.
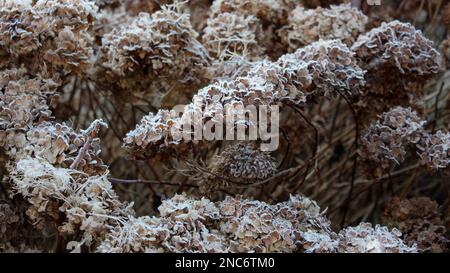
[23, 100]
[240, 225]
[322, 68]
[20, 27]
[153, 52]
[387, 140]
[73, 14]
[270, 15]
[184, 226]
[306, 26]
[59, 144]
[232, 225]
[400, 55]
[398, 45]
[9, 221]
[50, 34]
[255, 226]
[434, 150]
[238, 165]
[270, 11]
[230, 33]
[88, 203]
[366, 239]
[398, 132]
[420, 221]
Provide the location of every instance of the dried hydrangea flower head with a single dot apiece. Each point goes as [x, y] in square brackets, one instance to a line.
[231, 225]
[230, 33]
[19, 21]
[74, 14]
[420, 221]
[238, 165]
[159, 46]
[284, 227]
[388, 139]
[397, 45]
[434, 150]
[24, 100]
[61, 145]
[88, 203]
[399, 54]
[262, 17]
[270, 11]
[240, 225]
[398, 132]
[9, 221]
[324, 68]
[53, 35]
[306, 26]
[183, 226]
[366, 239]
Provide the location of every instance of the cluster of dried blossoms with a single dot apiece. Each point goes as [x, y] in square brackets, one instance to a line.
[239, 225]
[324, 68]
[306, 26]
[151, 54]
[49, 38]
[420, 221]
[95, 58]
[398, 132]
[400, 55]
[239, 165]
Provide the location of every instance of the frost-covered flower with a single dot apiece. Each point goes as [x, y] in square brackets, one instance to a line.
[364, 238]
[152, 54]
[306, 26]
[88, 203]
[324, 68]
[420, 221]
[388, 139]
[238, 165]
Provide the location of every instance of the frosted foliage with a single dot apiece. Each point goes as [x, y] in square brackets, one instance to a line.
[239, 225]
[401, 131]
[53, 35]
[325, 68]
[88, 202]
[398, 45]
[230, 33]
[434, 151]
[420, 221]
[160, 46]
[309, 25]
[366, 239]
[387, 139]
